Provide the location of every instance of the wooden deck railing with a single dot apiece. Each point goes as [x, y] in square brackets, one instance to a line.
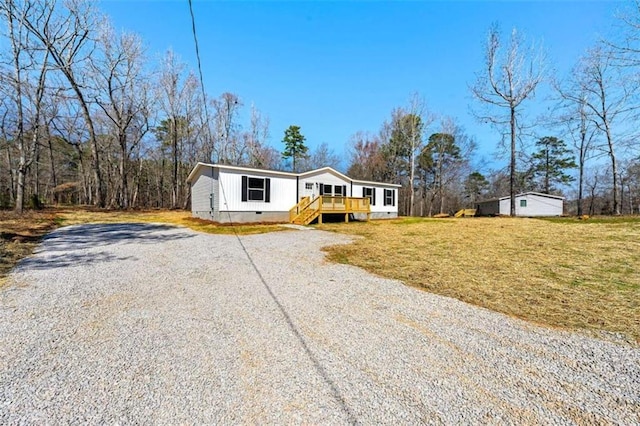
[298, 208]
[307, 210]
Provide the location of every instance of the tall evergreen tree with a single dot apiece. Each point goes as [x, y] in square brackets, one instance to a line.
[441, 152]
[550, 163]
[294, 146]
[475, 187]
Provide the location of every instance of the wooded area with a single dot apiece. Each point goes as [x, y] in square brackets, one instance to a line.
[86, 117]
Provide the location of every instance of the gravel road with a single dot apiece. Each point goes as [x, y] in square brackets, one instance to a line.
[149, 324]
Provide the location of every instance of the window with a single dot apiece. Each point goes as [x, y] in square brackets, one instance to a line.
[337, 191]
[369, 193]
[389, 197]
[523, 203]
[308, 186]
[256, 189]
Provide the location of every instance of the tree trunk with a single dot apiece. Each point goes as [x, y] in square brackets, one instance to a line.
[20, 189]
[123, 201]
[512, 174]
[580, 183]
[412, 175]
[54, 180]
[546, 174]
[174, 183]
[12, 183]
[614, 171]
[16, 48]
[36, 168]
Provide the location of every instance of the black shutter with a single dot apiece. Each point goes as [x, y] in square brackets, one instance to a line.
[364, 192]
[267, 190]
[244, 188]
[373, 201]
[321, 189]
[344, 190]
[384, 199]
[393, 197]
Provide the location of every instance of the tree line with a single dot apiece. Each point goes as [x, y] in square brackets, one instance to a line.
[588, 137]
[86, 117]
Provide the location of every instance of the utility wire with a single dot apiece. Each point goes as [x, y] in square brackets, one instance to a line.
[314, 360]
[204, 94]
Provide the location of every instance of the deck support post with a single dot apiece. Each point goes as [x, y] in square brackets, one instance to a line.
[368, 216]
[320, 219]
[346, 218]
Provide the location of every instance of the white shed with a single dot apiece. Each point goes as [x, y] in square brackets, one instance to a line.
[528, 204]
[240, 194]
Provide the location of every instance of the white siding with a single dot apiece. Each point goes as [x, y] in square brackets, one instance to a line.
[379, 207]
[505, 206]
[202, 188]
[537, 205]
[283, 192]
[325, 178]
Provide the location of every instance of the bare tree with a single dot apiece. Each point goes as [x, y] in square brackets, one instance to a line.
[255, 141]
[123, 97]
[29, 63]
[177, 90]
[402, 140]
[582, 132]
[230, 146]
[366, 161]
[604, 93]
[507, 80]
[321, 156]
[66, 33]
[67, 124]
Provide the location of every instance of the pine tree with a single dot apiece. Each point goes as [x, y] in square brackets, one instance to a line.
[550, 163]
[294, 146]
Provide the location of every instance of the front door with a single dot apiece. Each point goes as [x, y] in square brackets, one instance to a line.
[310, 190]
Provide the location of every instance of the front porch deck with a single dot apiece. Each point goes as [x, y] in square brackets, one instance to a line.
[308, 210]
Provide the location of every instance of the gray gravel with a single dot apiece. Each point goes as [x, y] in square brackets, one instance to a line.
[158, 325]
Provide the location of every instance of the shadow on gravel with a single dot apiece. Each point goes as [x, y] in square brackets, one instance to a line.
[97, 235]
[68, 259]
[322, 371]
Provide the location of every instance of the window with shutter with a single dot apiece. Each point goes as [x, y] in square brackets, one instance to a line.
[256, 189]
[388, 197]
[369, 193]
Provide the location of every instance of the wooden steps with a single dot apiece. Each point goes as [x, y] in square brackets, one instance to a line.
[465, 213]
[307, 210]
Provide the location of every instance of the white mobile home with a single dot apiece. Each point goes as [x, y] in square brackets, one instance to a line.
[528, 204]
[240, 194]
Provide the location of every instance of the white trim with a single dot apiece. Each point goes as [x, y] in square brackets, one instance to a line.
[369, 182]
[238, 169]
[557, 197]
[288, 174]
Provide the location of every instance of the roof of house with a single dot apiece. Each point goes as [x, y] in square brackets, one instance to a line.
[285, 174]
[540, 194]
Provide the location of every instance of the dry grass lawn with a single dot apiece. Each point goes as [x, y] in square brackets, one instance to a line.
[19, 235]
[563, 273]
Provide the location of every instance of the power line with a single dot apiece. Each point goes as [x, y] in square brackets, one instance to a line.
[204, 94]
[297, 334]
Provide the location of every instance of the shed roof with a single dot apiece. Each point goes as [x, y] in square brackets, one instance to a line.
[539, 194]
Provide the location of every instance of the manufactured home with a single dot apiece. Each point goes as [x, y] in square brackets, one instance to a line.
[528, 204]
[223, 193]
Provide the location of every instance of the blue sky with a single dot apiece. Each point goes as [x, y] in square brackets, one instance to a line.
[335, 68]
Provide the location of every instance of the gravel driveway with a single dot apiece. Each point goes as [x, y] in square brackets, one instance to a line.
[151, 324]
